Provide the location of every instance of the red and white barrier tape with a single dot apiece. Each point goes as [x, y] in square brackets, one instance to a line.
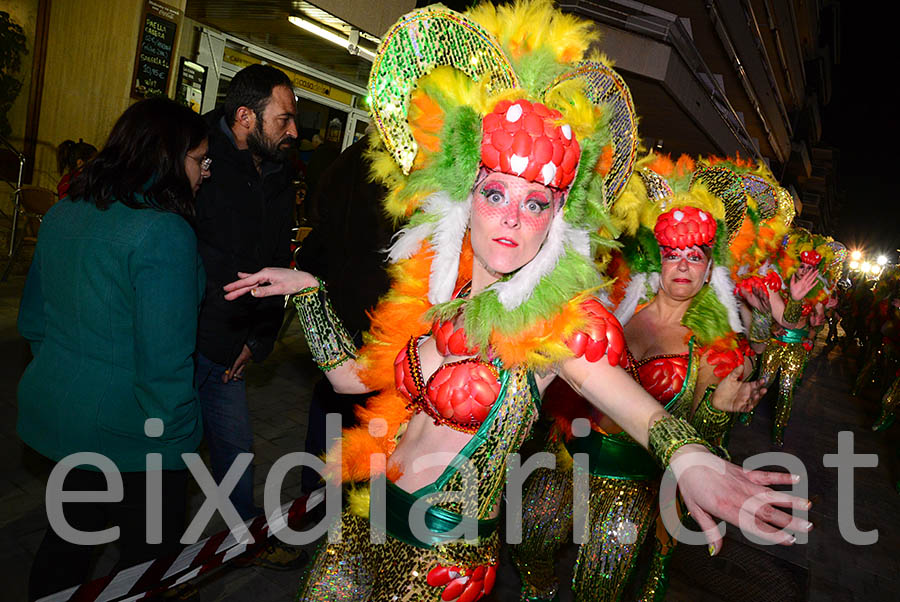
[155, 576]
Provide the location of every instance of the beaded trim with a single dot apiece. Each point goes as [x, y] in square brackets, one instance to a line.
[669, 434]
[329, 342]
[710, 422]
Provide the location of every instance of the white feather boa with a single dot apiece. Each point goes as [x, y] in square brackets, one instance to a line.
[723, 286]
[641, 287]
[446, 234]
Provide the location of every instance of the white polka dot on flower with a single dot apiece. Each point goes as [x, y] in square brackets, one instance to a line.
[518, 164]
[548, 172]
[513, 113]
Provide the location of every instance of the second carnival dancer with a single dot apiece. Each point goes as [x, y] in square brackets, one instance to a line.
[796, 301]
[682, 343]
[498, 166]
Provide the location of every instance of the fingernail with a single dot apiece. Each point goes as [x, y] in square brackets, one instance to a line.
[795, 478]
[807, 526]
[712, 550]
[252, 292]
[808, 505]
[793, 539]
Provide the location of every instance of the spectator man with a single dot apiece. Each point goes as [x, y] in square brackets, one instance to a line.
[243, 224]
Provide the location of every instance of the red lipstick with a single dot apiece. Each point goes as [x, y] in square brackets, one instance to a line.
[506, 242]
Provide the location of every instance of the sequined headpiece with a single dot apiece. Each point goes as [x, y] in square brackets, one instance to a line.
[511, 89]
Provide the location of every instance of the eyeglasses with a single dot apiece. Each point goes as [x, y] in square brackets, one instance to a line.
[203, 162]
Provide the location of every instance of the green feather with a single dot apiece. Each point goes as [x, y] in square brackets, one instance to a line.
[706, 317]
[460, 156]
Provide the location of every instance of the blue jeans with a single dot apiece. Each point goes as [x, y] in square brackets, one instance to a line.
[226, 426]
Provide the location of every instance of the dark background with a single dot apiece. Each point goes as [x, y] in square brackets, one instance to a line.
[862, 121]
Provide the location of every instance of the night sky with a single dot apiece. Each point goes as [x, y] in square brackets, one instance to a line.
[863, 122]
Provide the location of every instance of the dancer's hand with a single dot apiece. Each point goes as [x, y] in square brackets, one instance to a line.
[713, 488]
[800, 286]
[732, 395]
[269, 282]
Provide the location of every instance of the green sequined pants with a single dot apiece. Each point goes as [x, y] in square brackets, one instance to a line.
[790, 358]
[889, 405]
[620, 513]
[358, 570]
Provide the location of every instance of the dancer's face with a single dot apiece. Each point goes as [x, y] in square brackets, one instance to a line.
[510, 220]
[805, 269]
[683, 271]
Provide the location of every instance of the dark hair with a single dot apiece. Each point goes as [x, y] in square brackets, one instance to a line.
[252, 87]
[69, 152]
[142, 163]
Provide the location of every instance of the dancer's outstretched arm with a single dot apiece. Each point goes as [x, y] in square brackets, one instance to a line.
[269, 282]
[711, 487]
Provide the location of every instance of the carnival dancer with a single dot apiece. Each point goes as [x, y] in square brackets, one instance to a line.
[497, 164]
[882, 352]
[802, 259]
[887, 315]
[674, 266]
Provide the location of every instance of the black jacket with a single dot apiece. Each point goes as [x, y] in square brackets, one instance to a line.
[244, 222]
[347, 248]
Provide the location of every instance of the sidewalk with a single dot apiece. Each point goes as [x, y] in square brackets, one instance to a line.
[827, 568]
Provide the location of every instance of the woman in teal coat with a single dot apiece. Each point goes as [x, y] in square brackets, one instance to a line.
[110, 310]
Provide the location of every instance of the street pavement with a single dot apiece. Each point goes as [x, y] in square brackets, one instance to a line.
[825, 568]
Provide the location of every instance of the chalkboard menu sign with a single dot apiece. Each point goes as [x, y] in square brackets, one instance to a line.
[153, 64]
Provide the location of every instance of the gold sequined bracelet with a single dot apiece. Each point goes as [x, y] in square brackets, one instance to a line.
[710, 422]
[793, 311]
[327, 338]
[669, 434]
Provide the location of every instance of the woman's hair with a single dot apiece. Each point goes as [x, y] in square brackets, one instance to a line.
[69, 152]
[142, 163]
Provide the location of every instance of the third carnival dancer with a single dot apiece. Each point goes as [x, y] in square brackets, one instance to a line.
[803, 262]
[499, 165]
[673, 270]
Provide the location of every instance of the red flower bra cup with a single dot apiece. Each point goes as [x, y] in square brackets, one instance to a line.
[451, 340]
[459, 394]
[662, 376]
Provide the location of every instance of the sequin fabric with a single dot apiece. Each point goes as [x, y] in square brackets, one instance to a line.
[357, 570]
[620, 513]
[502, 436]
[726, 185]
[889, 404]
[658, 190]
[786, 206]
[763, 193]
[603, 86]
[790, 359]
[605, 561]
[418, 43]
[760, 326]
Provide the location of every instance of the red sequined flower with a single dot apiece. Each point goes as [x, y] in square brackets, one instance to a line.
[521, 138]
[684, 227]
